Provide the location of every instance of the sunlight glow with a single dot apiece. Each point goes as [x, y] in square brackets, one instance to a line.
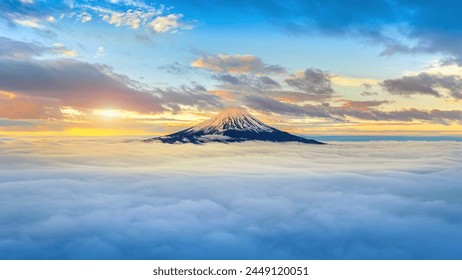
[8, 94]
[110, 113]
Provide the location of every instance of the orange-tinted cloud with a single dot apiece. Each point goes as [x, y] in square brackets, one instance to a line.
[225, 94]
[363, 105]
[22, 107]
[76, 84]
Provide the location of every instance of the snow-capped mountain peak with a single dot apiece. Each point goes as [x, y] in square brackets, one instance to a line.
[234, 118]
[231, 125]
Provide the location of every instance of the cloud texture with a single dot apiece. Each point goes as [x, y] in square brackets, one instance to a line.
[88, 199]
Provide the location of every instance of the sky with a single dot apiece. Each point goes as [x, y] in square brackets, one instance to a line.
[97, 198]
[128, 67]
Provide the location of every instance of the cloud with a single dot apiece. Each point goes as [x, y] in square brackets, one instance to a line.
[128, 18]
[270, 105]
[170, 23]
[76, 84]
[364, 104]
[245, 83]
[18, 50]
[60, 48]
[193, 95]
[352, 110]
[312, 81]
[294, 96]
[12, 49]
[131, 19]
[87, 199]
[46, 85]
[84, 17]
[236, 64]
[352, 81]
[32, 14]
[313, 85]
[399, 26]
[369, 93]
[134, 15]
[13, 106]
[100, 52]
[51, 19]
[423, 26]
[29, 22]
[176, 68]
[425, 84]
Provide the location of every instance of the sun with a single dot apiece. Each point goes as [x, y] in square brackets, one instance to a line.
[109, 113]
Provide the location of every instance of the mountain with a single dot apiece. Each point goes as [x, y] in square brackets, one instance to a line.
[231, 125]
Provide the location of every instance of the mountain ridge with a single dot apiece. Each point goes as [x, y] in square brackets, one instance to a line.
[233, 124]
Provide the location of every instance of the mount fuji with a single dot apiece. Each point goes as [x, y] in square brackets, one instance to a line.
[231, 125]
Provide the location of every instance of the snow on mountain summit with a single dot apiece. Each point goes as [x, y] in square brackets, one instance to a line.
[234, 118]
[234, 124]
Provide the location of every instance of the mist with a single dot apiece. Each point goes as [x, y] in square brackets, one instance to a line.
[111, 199]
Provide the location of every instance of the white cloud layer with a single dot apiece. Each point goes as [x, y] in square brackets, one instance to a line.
[93, 199]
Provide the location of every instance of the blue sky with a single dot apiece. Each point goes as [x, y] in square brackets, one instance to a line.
[389, 67]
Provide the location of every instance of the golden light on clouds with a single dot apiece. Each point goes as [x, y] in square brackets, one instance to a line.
[86, 131]
[7, 94]
[109, 113]
[353, 81]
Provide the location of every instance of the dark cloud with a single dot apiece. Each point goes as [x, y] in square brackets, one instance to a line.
[311, 85]
[189, 95]
[369, 93]
[77, 84]
[364, 104]
[426, 84]
[294, 96]
[312, 81]
[243, 82]
[353, 110]
[367, 86]
[271, 105]
[236, 64]
[13, 49]
[176, 68]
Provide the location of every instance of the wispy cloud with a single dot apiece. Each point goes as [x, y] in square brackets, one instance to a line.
[129, 18]
[135, 15]
[84, 17]
[29, 22]
[130, 14]
[100, 52]
[236, 64]
[60, 48]
[170, 23]
[312, 81]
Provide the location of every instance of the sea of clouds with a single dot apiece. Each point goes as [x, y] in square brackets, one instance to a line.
[113, 199]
